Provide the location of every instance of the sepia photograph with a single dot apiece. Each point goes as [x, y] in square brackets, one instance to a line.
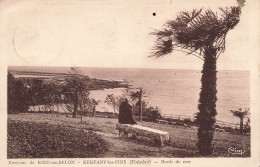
[105, 82]
[59, 112]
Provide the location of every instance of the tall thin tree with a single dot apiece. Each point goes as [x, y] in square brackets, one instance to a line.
[241, 115]
[201, 34]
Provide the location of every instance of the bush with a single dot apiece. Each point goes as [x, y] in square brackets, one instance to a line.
[17, 95]
[39, 140]
[152, 113]
[188, 121]
[147, 119]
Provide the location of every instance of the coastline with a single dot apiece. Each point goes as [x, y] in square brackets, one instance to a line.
[157, 90]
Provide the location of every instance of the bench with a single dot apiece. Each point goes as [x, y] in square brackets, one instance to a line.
[138, 130]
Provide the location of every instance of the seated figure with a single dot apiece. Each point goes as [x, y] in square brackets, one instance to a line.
[126, 113]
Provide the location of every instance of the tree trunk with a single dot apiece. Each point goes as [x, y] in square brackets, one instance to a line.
[81, 117]
[207, 104]
[94, 111]
[74, 114]
[140, 107]
[140, 111]
[241, 125]
[114, 110]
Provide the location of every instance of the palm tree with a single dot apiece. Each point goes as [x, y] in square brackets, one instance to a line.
[241, 115]
[201, 34]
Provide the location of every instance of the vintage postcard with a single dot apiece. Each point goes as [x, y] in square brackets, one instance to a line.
[129, 83]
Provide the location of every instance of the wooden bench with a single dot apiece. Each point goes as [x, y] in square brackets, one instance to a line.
[137, 130]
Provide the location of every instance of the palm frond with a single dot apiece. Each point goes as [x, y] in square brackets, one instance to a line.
[196, 29]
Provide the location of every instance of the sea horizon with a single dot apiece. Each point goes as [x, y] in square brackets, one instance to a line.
[13, 67]
[174, 91]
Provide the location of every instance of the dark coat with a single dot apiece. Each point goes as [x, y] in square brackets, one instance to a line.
[126, 114]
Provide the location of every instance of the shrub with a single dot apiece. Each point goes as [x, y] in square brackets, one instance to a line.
[188, 121]
[152, 113]
[17, 95]
[39, 140]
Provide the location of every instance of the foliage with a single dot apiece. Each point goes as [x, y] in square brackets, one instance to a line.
[45, 92]
[35, 91]
[188, 121]
[87, 104]
[76, 89]
[153, 113]
[136, 107]
[241, 115]
[194, 32]
[17, 94]
[72, 89]
[135, 96]
[38, 140]
[247, 128]
[149, 113]
[139, 103]
[51, 93]
[201, 34]
[114, 101]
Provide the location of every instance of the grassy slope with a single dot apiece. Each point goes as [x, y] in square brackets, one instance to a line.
[182, 139]
[39, 140]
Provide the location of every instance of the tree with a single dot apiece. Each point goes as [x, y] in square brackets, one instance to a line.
[241, 115]
[17, 95]
[35, 92]
[76, 87]
[203, 35]
[51, 92]
[92, 106]
[88, 105]
[137, 96]
[114, 101]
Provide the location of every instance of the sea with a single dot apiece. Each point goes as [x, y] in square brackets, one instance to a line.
[173, 91]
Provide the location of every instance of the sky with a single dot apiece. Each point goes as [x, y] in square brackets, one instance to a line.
[109, 33]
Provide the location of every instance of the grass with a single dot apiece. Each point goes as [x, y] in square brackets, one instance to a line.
[182, 139]
[39, 140]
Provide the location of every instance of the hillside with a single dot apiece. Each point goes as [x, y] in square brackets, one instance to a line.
[182, 139]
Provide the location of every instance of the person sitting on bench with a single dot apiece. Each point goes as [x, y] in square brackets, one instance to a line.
[126, 113]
